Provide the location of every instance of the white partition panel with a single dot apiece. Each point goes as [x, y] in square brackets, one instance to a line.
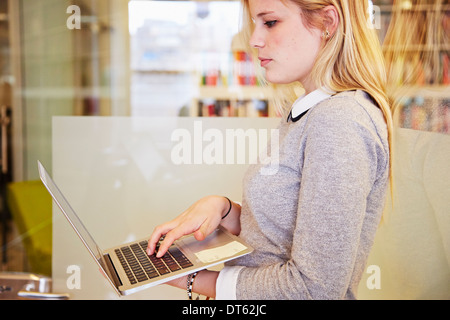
[124, 176]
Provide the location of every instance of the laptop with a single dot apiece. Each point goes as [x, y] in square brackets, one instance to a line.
[129, 269]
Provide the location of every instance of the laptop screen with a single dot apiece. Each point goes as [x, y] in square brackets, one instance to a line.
[70, 214]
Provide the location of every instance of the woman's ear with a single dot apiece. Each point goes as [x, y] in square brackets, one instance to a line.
[330, 20]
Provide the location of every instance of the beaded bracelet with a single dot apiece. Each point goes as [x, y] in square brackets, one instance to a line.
[229, 210]
[190, 282]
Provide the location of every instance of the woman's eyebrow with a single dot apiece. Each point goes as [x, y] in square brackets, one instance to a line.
[264, 13]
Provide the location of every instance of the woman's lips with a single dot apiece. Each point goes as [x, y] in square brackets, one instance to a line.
[265, 62]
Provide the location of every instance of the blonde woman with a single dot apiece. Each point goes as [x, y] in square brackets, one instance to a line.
[312, 224]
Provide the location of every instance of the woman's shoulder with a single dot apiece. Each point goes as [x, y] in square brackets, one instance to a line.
[348, 115]
[353, 106]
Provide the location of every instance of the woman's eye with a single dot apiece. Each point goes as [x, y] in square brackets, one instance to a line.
[270, 23]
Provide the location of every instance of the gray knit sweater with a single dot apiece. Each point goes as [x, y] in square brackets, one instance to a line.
[313, 223]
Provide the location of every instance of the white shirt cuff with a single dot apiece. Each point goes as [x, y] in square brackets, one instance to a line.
[226, 283]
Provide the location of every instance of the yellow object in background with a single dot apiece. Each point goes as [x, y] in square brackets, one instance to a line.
[31, 208]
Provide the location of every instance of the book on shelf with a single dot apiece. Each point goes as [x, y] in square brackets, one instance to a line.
[426, 114]
[238, 70]
[233, 108]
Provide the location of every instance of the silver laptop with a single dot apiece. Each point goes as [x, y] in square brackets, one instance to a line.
[129, 269]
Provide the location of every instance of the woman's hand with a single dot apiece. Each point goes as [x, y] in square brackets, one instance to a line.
[201, 219]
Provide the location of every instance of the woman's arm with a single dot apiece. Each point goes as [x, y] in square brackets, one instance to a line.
[232, 222]
[204, 283]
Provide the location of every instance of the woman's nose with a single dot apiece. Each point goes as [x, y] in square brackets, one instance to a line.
[256, 40]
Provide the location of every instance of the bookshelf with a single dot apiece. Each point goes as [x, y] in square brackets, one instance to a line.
[415, 41]
[230, 88]
[415, 35]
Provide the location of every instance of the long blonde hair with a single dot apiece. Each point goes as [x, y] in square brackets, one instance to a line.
[351, 59]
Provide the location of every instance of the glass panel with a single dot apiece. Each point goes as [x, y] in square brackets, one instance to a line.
[129, 63]
[139, 182]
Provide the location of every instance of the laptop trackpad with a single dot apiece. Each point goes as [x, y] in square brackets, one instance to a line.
[216, 246]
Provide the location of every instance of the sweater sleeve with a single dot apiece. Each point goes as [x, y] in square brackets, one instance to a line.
[337, 173]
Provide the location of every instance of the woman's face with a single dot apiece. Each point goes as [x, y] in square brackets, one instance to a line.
[286, 48]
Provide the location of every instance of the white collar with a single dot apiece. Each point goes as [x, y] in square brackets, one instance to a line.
[306, 102]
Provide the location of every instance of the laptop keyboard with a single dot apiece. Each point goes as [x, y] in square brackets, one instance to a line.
[140, 267]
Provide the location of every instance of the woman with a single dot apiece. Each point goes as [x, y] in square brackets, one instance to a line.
[312, 224]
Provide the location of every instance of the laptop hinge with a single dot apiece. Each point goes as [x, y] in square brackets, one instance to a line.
[112, 270]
